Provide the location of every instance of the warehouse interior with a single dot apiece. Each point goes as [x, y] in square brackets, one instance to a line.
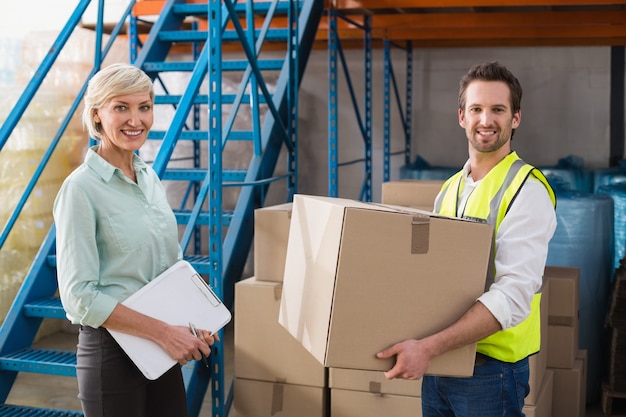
[377, 104]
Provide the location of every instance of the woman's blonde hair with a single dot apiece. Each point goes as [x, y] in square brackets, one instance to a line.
[112, 81]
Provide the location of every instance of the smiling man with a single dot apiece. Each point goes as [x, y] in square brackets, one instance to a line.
[497, 187]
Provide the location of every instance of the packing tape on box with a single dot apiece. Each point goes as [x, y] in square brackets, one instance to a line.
[278, 388]
[561, 321]
[375, 388]
[420, 234]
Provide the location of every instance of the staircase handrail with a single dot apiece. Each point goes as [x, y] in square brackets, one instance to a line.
[33, 87]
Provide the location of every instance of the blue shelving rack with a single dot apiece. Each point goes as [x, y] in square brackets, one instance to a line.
[364, 116]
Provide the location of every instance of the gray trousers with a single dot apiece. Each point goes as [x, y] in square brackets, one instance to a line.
[110, 385]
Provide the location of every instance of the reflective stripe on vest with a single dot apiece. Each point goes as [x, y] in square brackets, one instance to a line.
[499, 188]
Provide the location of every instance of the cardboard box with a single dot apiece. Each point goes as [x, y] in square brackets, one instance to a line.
[543, 408]
[264, 350]
[562, 346]
[539, 361]
[569, 394]
[361, 277]
[271, 232]
[346, 403]
[373, 382]
[564, 295]
[273, 399]
[563, 329]
[411, 193]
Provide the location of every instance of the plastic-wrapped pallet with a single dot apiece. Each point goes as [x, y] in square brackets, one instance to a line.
[609, 176]
[72, 67]
[13, 268]
[584, 239]
[21, 156]
[617, 192]
[10, 53]
[569, 174]
[420, 169]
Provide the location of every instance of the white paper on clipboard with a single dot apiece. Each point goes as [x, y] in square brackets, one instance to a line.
[178, 296]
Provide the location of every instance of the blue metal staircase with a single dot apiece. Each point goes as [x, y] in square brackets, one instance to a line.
[273, 40]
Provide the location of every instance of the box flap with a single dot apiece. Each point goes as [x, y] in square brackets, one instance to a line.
[312, 253]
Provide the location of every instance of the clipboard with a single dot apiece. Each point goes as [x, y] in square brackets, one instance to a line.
[178, 296]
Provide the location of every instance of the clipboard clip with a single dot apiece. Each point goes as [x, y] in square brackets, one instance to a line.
[204, 287]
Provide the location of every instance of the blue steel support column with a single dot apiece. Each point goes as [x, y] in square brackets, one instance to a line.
[364, 121]
[405, 115]
[366, 191]
[332, 104]
[386, 110]
[616, 99]
[133, 38]
[254, 86]
[197, 157]
[215, 188]
[408, 116]
[292, 99]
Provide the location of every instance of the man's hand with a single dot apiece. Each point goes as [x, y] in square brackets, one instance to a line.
[412, 359]
[414, 356]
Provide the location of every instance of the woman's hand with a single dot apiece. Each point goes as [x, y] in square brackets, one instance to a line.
[182, 345]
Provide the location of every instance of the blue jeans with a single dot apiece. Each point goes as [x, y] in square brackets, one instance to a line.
[497, 389]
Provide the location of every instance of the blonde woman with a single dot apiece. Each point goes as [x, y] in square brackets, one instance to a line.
[115, 232]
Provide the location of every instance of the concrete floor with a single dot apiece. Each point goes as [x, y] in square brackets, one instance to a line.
[60, 392]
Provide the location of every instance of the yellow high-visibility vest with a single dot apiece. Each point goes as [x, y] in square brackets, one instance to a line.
[489, 203]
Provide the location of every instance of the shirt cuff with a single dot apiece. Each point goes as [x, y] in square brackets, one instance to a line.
[100, 310]
[496, 303]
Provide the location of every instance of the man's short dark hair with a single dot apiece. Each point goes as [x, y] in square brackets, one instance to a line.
[492, 71]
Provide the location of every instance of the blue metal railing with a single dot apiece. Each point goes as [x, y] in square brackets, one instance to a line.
[33, 87]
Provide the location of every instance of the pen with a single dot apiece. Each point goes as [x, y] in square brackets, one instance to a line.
[195, 333]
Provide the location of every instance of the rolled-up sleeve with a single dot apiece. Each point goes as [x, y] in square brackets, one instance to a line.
[77, 257]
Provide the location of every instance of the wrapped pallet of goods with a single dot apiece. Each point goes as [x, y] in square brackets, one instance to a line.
[584, 239]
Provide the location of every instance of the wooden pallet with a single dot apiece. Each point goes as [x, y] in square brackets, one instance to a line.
[613, 402]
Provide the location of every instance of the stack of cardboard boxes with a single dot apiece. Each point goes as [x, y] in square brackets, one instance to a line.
[538, 402]
[361, 277]
[558, 372]
[565, 360]
[337, 281]
[614, 389]
[274, 374]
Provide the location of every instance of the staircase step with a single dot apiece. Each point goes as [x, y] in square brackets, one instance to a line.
[204, 99]
[47, 308]
[201, 263]
[199, 174]
[41, 361]
[201, 135]
[175, 99]
[184, 135]
[8, 410]
[201, 9]
[236, 65]
[281, 35]
[183, 216]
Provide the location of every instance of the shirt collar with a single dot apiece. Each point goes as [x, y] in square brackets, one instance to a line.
[104, 169]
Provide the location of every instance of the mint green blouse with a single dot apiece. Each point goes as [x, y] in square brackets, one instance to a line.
[112, 236]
